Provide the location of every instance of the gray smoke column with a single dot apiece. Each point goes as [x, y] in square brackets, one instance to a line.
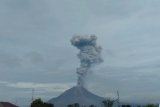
[89, 55]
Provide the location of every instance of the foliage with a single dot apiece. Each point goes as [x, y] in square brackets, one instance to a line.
[40, 103]
[70, 105]
[108, 102]
[151, 105]
[126, 105]
[92, 106]
[76, 105]
[73, 105]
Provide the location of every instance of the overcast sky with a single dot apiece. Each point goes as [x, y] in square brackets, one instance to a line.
[35, 48]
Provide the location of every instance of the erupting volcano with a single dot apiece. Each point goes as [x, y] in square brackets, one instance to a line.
[89, 55]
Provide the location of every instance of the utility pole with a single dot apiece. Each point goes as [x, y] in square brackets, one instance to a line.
[118, 99]
[32, 94]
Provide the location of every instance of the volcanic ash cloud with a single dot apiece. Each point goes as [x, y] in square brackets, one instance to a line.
[89, 55]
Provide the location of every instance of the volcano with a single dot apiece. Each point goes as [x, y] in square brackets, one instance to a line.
[77, 94]
[89, 55]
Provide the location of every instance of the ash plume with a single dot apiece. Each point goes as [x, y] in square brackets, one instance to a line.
[89, 55]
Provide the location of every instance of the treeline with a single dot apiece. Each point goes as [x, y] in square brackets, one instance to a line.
[40, 103]
[147, 105]
[106, 103]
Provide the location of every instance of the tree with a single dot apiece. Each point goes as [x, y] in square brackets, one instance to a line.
[108, 102]
[150, 105]
[48, 105]
[92, 106]
[40, 103]
[128, 105]
[76, 105]
[70, 105]
[37, 103]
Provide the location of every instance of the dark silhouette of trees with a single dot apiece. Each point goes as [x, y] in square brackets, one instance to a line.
[151, 105]
[76, 105]
[126, 105]
[108, 102]
[40, 103]
[92, 106]
[73, 105]
[70, 105]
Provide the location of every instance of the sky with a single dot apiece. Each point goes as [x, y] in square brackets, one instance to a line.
[35, 48]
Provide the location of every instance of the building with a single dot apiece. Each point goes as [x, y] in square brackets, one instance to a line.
[7, 104]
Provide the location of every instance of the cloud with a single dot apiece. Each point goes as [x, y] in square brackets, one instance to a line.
[34, 57]
[46, 91]
[9, 60]
[45, 87]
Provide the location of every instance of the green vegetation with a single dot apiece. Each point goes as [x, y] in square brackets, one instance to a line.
[77, 105]
[108, 102]
[92, 106]
[126, 105]
[40, 103]
[151, 105]
[73, 105]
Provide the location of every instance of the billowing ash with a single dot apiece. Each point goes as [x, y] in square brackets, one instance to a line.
[89, 55]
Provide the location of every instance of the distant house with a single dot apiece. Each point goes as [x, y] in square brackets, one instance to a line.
[7, 104]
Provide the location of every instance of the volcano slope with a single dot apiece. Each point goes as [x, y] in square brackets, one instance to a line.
[78, 95]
